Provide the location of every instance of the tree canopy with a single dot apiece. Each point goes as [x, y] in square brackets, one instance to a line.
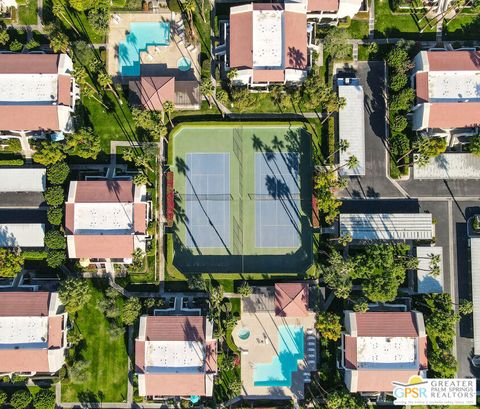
[75, 293]
[44, 399]
[11, 262]
[131, 311]
[54, 195]
[336, 44]
[54, 239]
[328, 325]
[83, 143]
[58, 172]
[338, 274]
[48, 153]
[21, 399]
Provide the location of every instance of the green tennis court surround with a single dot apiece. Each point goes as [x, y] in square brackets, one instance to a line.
[242, 196]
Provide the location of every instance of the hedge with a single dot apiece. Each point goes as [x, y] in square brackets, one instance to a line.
[11, 162]
[34, 255]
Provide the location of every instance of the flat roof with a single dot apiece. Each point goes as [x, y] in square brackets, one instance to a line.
[475, 270]
[387, 226]
[38, 89]
[386, 353]
[453, 86]
[108, 218]
[22, 235]
[267, 38]
[351, 120]
[23, 332]
[426, 282]
[174, 356]
[452, 165]
[22, 179]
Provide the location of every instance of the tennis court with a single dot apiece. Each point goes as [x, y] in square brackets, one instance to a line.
[208, 200]
[242, 196]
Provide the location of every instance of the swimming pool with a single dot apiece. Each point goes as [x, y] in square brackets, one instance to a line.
[141, 35]
[290, 350]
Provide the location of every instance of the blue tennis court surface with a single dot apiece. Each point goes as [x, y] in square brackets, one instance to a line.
[208, 200]
[277, 204]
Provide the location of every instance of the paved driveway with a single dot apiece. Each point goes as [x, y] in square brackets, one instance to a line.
[375, 183]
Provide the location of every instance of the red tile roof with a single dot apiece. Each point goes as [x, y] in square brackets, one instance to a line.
[24, 304]
[211, 363]
[175, 328]
[322, 5]
[295, 37]
[24, 360]
[140, 218]
[29, 63]
[241, 40]
[155, 91]
[103, 246]
[55, 331]
[454, 115]
[139, 356]
[29, 117]
[69, 218]
[454, 60]
[421, 85]
[268, 75]
[291, 299]
[64, 90]
[175, 384]
[386, 324]
[371, 380]
[350, 345]
[104, 191]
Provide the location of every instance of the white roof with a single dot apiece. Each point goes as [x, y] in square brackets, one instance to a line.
[267, 38]
[351, 120]
[109, 218]
[453, 86]
[23, 332]
[38, 89]
[427, 283]
[174, 356]
[386, 353]
[22, 235]
[348, 8]
[387, 226]
[22, 180]
[453, 165]
[475, 268]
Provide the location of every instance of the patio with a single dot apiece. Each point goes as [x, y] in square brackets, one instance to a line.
[257, 335]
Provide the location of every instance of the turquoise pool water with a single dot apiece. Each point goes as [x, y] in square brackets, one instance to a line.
[290, 350]
[184, 64]
[141, 36]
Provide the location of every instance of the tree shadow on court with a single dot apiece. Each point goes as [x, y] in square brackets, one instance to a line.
[295, 150]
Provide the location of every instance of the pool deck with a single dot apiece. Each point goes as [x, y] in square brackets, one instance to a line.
[262, 347]
[157, 60]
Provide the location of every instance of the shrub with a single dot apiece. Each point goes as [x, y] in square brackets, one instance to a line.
[45, 399]
[34, 255]
[55, 258]
[11, 262]
[54, 239]
[15, 46]
[3, 397]
[57, 173]
[54, 196]
[131, 311]
[32, 44]
[399, 124]
[75, 293]
[398, 81]
[21, 399]
[403, 100]
[174, 6]
[12, 162]
[55, 215]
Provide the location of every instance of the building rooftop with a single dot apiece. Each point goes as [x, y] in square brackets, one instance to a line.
[22, 234]
[37, 92]
[105, 219]
[291, 299]
[22, 179]
[23, 332]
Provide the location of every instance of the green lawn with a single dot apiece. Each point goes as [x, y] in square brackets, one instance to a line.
[358, 29]
[107, 375]
[394, 25]
[27, 14]
[464, 27]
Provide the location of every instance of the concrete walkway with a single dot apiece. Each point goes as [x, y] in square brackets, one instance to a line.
[371, 20]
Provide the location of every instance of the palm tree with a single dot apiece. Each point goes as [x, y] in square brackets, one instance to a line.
[169, 108]
[91, 93]
[140, 179]
[59, 42]
[58, 9]
[105, 81]
[206, 88]
[351, 163]
[343, 145]
[88, 90]
[189, 6]
[4, 37]
[334, 104]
